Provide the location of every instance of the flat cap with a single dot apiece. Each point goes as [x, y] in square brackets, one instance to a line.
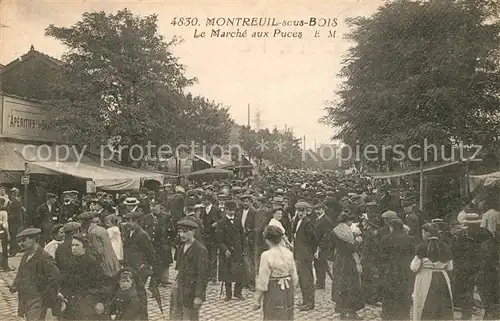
[71, 227]
[133, 215]
[85, 216]
[390, 215]
[302, 205]
[51, 195]
[188, 224]
[30, 231]
[245, 196]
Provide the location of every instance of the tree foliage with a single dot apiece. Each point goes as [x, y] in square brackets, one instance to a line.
[421, 70]
[121, 83]
[279, 147]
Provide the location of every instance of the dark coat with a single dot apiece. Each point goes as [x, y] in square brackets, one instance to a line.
[65, 212]
[305, 241]
[84, 285]
[251, 228]
[177, 207]
[323, 227]
[346, 283]
[207, 221]
[138, 250]
[37, 278]
[230, 237]
[193, 273]
[126, 305]
[44, 219]
[151, 226]
[397, 251]
[167, 237]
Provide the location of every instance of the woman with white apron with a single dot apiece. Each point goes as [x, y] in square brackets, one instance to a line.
[432, 298]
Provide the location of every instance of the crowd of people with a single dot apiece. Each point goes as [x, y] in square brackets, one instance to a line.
[94, 257]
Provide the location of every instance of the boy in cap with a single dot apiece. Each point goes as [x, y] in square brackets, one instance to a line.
[37, 280]
[188, 292]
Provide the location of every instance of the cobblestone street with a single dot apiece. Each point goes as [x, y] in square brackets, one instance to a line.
[215, 308]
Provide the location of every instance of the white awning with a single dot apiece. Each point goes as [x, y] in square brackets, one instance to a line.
[55, 160]
[410, 172]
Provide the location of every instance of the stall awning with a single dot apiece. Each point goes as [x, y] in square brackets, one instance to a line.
[52, 160]
[410, 172]
[491, 179]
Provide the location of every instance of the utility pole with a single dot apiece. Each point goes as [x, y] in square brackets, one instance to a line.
[315, 146]
[248, 116]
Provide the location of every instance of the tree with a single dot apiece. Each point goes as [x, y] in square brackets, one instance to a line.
[280, 148]
[119, 82]
[421, 70]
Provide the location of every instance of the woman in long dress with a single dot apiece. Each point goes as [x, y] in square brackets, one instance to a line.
[346, 284]
[277, 278]
[432, 299]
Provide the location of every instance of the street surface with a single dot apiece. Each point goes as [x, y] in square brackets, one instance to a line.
[215, 308]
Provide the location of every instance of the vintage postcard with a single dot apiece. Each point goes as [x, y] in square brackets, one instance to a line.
[248, 160]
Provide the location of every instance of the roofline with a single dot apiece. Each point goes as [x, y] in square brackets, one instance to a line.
[3, 93]
[30, 54]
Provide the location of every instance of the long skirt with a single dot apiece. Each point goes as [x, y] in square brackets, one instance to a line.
[277, 303]
[432, 296]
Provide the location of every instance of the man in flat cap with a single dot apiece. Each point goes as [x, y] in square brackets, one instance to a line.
[191, 282]
[138, 253]
[46, 216]
[230, 237]
[37, 280]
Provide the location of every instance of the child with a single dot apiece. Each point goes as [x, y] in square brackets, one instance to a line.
[126, 304]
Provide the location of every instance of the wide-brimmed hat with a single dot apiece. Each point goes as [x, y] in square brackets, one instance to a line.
[131, 201]
[471, 219]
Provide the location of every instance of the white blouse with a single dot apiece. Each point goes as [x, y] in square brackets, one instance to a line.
[275, 222]
[277, 262]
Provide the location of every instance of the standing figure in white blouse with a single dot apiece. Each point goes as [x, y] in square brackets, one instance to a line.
[111, 222]
[276, 221]
[432, 296]
[277, 278]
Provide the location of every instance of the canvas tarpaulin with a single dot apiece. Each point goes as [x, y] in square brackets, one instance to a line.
[491, 179]
[52, 160]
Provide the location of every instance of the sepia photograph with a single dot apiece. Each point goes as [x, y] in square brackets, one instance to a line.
[249, 160]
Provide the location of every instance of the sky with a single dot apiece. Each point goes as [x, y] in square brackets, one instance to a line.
[289, 80]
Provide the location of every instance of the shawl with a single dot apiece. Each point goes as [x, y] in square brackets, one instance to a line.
[344, 232]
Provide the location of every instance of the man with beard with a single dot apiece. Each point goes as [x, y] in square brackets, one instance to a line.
[191, 283]
[37, 280]
[68, 210]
